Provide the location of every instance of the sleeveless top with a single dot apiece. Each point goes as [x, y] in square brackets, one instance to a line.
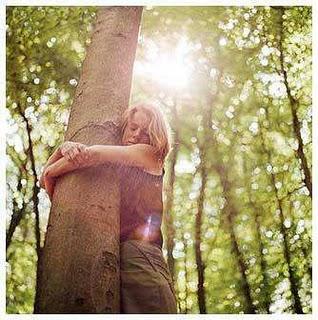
[141, 205]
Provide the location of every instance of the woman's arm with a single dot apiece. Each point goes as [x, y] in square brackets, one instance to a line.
[139, 155]
[53, 158]
[54, 170]
[57, 154]
[60, 167]
[49, 185]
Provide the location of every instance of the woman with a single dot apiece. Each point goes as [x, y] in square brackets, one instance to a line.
[146, 285]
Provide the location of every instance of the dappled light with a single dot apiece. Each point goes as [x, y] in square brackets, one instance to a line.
[234, 84]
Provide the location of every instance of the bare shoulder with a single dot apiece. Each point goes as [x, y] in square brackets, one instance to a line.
[147, 154]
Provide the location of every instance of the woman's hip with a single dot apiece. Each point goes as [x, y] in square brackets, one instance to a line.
[145, 279]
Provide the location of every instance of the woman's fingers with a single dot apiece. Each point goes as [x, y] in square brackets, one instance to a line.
[77, 156]
[74, 152]
[87, 154]
[81, 147]
[77, 153]
[82, 156]
[71, 154]
[67, 146]
[49, 186]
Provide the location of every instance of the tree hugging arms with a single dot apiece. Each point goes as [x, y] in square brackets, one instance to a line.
[71, 156]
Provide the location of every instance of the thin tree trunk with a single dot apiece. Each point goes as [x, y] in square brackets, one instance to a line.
[308, 265]
[17, 215]
[230, 209]
[35, 192]
[169, 191]
[257, 221]
[305, 252]
[35, 188]
[294, 106]
[80, 261]
[286, 252]
[198, 236]
[231, 212]
[263, 263]
[186, 276]
[203, 169]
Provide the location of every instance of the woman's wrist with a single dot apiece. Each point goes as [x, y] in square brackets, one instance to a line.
[91, 156]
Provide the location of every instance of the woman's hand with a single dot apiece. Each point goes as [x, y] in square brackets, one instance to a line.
[47, 182]
[49, 186]
[77, 153]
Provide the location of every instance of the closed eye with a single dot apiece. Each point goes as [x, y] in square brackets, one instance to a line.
[133, 128]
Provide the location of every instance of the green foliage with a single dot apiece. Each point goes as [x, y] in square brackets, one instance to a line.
[21, 270]
[226, 83]
[45, 49]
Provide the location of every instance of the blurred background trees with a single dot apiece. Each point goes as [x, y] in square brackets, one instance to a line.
[235, 86]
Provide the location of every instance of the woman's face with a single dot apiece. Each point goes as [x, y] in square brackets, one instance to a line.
[136, 130]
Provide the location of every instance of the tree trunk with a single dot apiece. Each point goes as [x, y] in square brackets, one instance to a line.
[186, 276]
[230, 212]
[257, 220]
[230, 209]
[80, 261]
[17, 213]
[294, 106]
[203, 169]
[35, 188]
[292, 279]
[198, 236]
[169, 191]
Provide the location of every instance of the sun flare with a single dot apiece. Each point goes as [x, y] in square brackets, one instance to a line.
[166, 68]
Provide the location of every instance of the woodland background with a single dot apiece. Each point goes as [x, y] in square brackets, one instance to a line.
[235, 86]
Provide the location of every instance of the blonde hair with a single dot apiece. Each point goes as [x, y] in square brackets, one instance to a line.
[158, 129]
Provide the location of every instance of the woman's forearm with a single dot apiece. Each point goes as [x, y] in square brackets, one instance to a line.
[134, 155]
[140, 155]
[64, 165]
[60, 167]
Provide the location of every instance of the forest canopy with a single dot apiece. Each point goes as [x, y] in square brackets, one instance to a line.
[235, 86]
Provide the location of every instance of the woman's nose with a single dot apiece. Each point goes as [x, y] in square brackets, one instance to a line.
[137, 133]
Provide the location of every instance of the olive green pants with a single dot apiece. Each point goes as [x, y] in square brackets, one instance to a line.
[146, 285]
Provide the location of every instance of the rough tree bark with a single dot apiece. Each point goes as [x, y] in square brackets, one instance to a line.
[80, 262]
